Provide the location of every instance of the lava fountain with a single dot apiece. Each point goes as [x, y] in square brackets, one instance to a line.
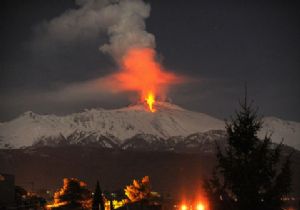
[150, 99]
[142, 73]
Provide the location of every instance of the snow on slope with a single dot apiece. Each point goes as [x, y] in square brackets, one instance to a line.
[169, 120]
[288, 131]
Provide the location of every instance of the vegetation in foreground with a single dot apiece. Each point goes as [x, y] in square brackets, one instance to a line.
[251, 173]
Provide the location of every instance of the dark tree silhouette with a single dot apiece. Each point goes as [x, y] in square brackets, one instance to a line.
[98, 203]
[251, 172]
[111, 205]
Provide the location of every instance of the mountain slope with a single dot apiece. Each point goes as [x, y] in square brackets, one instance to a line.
[124, 126]
[281, 130]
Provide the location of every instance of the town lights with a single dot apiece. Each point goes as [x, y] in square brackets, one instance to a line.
[183, 207]
[192, 206]
[200, 206]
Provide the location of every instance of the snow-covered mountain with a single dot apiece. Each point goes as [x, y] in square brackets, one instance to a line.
[170, 126]
[282, 130]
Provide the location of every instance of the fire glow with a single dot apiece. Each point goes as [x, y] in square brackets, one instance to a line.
[142, 73]
[150, 101]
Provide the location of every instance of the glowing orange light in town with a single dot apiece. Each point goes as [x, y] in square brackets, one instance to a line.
[183, 207]
[141, 72]
[200, 206]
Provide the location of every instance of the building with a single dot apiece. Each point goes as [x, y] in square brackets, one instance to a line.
[7, 189]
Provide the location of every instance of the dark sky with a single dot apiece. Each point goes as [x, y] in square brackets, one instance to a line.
[222, 44]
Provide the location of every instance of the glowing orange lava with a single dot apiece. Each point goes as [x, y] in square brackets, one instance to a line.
[150, 99]
[142, 73]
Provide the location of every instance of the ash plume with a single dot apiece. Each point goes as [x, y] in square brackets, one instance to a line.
[122, 21]
[119, 26]
[129, 30]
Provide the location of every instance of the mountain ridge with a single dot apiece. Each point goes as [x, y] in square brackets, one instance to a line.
[117, 126]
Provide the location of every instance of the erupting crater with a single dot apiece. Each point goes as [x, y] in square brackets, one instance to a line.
[150, 100]
[141, 72]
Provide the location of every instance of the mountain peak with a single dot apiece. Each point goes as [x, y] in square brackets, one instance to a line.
[29, 114]
[159, 106]
[169, 120]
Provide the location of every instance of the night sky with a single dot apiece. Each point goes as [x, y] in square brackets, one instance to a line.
[220, 44]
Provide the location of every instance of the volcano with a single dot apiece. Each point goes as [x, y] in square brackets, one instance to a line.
[174, 146]
[169, 127]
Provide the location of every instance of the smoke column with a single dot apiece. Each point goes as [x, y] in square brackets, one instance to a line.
[129, 30]
[132, 47]
[129, 44]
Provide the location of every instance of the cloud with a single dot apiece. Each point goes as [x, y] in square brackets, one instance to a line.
[121, 22]
[64, 49]
[62, 99]
[87, 22]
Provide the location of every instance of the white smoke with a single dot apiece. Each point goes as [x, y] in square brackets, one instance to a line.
[122, 20]
[116, 25]
[129, 29]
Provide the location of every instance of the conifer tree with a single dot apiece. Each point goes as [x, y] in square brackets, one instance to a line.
[98, 203]
[251, 172]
